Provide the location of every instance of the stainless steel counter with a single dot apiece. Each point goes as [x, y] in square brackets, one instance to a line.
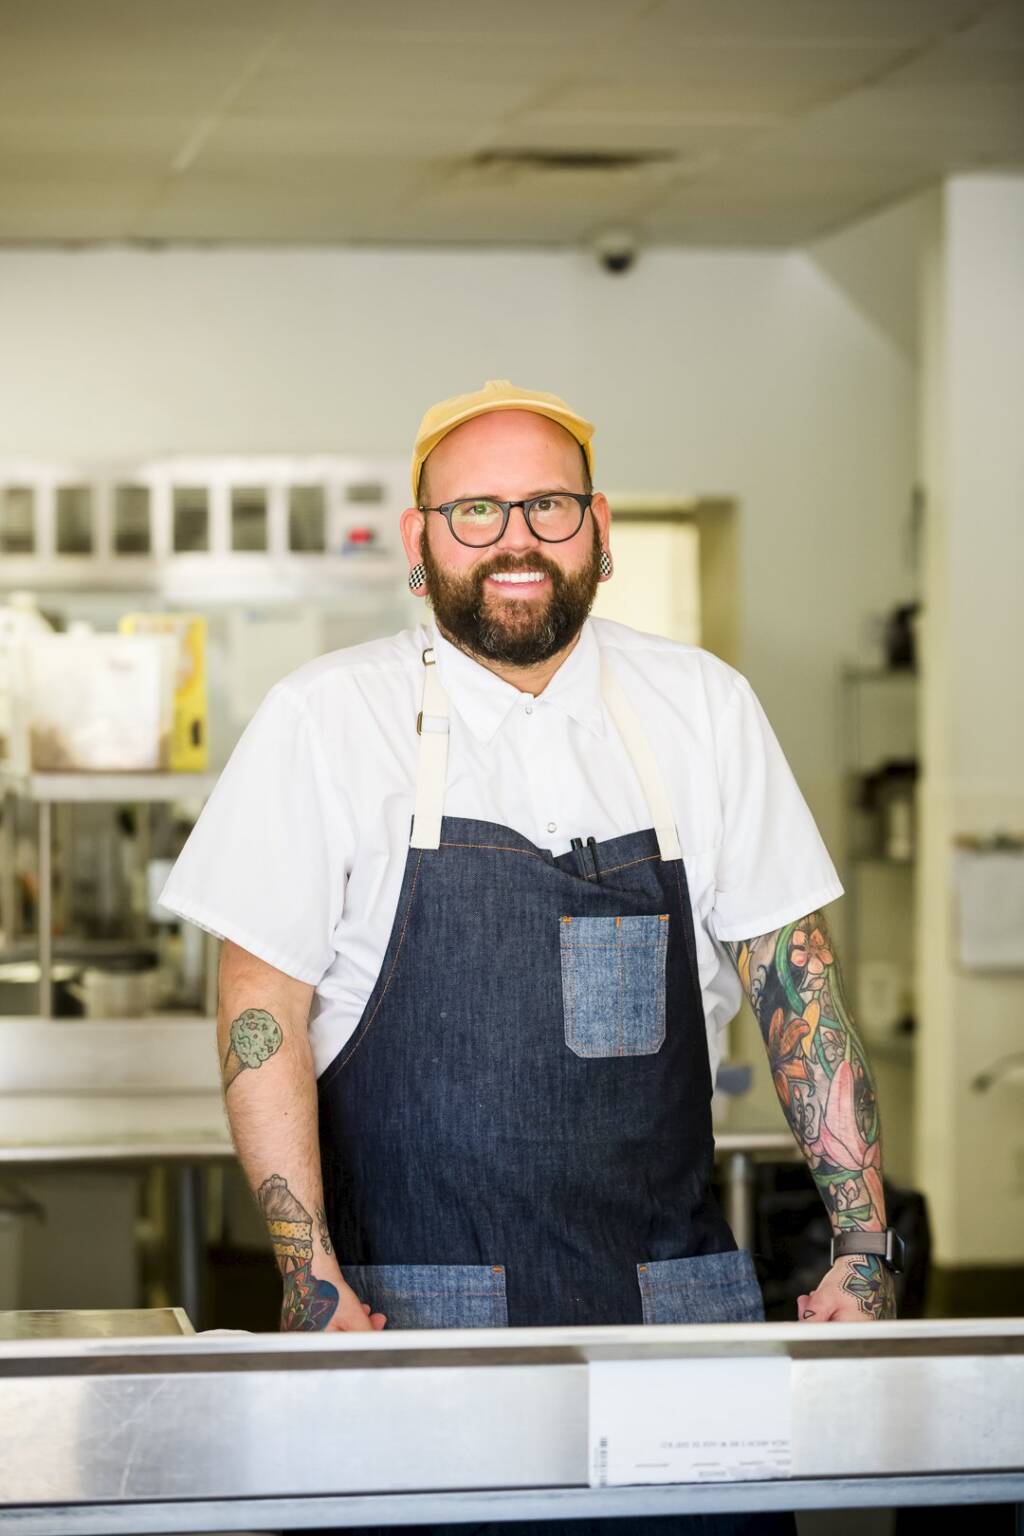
[279, 1432]
[134, 1323]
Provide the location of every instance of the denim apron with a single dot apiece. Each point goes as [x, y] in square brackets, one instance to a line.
[518, 1133]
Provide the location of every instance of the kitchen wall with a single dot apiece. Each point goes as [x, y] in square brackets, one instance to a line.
[751, 375]
[970, 1144]
[759, 376]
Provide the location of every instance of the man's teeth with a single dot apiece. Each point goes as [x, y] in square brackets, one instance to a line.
[518, 576]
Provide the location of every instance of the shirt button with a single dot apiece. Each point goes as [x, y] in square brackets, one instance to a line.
[529, 709]
[552, 826]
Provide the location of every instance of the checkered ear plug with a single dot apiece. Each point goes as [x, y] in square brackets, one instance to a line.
[417, 578]
[604, 565]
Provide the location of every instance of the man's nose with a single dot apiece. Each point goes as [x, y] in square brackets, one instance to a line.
[518, 534]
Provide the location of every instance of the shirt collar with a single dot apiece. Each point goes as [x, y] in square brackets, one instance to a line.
[484, 700]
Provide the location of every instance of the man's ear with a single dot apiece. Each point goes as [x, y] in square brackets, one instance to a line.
[412, 525]
[603, 517]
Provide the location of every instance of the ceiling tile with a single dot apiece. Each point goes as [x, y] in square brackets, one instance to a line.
[493, 20]
[40, 144]
[359, 119]
[67, 208]
[747, 83]
[833, 22]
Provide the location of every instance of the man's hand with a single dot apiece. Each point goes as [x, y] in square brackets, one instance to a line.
[857, 1289]
[354, 1316]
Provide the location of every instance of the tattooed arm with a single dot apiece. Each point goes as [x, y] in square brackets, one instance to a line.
[270, 1095]
[824, 1084]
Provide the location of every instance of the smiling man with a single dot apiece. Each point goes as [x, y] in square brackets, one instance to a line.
[492, 888]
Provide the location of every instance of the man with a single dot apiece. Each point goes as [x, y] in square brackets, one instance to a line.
[489, 890]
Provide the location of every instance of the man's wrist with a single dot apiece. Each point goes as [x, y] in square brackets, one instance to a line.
[886, 1245]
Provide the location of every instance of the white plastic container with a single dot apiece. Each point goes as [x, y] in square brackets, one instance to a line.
[20, 623]
[100, 703]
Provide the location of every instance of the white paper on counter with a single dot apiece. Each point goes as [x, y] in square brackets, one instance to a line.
[689, 1421]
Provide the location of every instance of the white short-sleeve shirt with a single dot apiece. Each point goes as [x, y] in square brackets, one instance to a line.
[299, 853]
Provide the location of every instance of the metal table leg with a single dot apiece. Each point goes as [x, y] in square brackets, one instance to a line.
[8, 879]
[45, 910]
[191, 1234]
[739, 1197]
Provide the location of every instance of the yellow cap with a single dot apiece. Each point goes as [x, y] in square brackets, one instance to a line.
[496, 395]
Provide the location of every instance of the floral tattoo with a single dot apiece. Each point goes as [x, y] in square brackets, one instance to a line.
[823, 1082]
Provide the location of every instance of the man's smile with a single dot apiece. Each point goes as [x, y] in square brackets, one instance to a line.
[518, 582]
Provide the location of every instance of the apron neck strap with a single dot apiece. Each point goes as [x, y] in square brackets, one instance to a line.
[432, 760]
[645, 764]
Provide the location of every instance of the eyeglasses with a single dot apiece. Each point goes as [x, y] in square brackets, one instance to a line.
[478, 520]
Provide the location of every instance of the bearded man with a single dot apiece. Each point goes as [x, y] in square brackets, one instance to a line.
[490, 890]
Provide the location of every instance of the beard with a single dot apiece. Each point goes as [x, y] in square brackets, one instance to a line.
[513, 632]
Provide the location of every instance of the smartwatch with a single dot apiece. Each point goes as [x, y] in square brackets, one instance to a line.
[888, 1246]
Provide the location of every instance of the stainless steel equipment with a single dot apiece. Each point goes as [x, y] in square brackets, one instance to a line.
[142, 1322]
[278, 1432]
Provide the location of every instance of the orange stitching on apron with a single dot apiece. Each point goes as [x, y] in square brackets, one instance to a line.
[609, 869]
[497, 848]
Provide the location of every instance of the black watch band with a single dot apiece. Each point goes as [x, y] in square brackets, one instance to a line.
[888, 1246]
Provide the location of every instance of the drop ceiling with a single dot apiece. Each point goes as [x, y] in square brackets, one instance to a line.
[714, 122]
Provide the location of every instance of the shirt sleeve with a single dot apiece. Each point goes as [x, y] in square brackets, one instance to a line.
[265, 863]
[773, 866]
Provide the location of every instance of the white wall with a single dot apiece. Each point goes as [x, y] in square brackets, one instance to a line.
[750, 375]
[970, 1145]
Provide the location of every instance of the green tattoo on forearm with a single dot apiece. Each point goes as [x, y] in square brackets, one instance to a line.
[821, 1073]
[252, 1039]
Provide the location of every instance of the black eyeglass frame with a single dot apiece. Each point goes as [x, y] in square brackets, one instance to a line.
[582, 498]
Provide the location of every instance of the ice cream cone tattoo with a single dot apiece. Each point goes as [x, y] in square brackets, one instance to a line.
[308, 1304]
[253, 1038]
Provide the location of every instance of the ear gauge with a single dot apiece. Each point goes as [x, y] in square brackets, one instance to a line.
[604, 565]
[417, 578]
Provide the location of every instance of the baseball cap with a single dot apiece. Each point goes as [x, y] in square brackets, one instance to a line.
[496, 395]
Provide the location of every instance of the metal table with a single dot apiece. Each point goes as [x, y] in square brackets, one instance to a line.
[272, 1432]
[189, 1152]
[134, 1323]
[78, 1093]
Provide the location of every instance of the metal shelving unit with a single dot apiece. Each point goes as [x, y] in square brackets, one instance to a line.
[878, 708]
[47, 790]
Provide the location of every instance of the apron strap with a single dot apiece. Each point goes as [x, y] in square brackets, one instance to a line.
[432, 761]
[644, 762]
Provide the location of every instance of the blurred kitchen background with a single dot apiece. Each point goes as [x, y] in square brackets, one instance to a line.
[775, 249]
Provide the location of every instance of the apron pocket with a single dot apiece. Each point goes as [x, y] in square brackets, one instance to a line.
[613, 984]
[432, 1295]
[708, 1288]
